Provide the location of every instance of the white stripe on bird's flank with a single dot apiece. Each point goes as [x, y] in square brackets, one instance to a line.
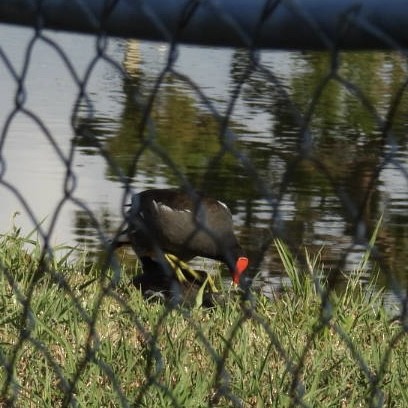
[224, 205]
[164, 207]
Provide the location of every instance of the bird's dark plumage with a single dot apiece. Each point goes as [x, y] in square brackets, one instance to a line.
[184, 224]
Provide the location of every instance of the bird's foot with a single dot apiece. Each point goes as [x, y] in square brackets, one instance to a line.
[178, 266]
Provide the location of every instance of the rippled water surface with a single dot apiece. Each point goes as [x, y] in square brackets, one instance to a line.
[307, 187]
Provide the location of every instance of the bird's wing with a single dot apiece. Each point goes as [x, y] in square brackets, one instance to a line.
[175, 225]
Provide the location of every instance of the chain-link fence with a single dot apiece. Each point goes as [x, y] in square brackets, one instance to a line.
[326, 171]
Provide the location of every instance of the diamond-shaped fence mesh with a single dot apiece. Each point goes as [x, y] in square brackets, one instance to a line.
[307, 148]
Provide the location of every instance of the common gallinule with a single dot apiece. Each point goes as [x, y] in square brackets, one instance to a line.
[178, 225]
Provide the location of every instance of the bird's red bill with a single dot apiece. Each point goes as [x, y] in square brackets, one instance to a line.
[240, 266]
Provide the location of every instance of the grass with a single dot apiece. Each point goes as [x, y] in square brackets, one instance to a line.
[69, 336]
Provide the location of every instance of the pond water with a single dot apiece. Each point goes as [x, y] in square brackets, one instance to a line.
[314, 189]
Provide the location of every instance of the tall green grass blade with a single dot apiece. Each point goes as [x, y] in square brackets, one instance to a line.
[289, 264]
[367, 254]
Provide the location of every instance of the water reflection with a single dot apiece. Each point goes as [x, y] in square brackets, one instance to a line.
[320, 188]
[325, 199]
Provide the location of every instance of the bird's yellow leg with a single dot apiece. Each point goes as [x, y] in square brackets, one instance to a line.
[211, 283]
[174, 262]
[177, 264]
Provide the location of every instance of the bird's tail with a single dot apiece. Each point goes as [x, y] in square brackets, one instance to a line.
[120, 239]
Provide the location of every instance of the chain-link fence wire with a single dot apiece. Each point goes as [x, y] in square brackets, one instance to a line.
[302, 118]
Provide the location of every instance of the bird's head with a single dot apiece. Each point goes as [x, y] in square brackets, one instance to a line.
[241, 265]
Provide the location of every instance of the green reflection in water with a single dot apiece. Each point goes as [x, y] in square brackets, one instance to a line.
[323, 191]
